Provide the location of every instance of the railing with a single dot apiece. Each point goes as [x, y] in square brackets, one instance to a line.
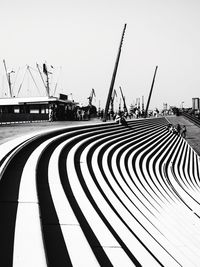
[192, 118]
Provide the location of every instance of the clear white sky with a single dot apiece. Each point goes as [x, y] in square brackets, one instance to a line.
[82, 37]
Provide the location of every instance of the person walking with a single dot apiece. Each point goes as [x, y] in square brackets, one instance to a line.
[178, 128]
[183, 132]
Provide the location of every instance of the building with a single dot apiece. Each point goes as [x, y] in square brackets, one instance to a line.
[36, 108]
[195, 103]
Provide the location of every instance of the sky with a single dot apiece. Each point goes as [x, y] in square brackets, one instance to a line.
[80, 39]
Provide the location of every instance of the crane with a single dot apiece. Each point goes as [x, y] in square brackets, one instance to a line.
[91, 97]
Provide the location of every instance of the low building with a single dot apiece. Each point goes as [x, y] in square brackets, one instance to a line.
[36, 108]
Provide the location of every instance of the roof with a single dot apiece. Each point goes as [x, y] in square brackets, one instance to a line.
[32, 100]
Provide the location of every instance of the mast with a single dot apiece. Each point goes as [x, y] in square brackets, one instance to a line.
[147, 107]
[47, 76]
[113, 76]
[112, 102]
[142, 103]
[123, 98]
[46, 85]
[120, 105]
[41, 75]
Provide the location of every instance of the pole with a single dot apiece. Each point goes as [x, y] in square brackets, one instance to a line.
[123, 98]
[143, 106]
[113, 76]
[112, 102]
[147, 106]
[48, 88]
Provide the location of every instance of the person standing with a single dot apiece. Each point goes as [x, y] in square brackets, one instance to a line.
[178, 128]
[51, 114]
[183, 132]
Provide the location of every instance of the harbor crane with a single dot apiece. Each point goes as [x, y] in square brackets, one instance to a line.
[91, 97]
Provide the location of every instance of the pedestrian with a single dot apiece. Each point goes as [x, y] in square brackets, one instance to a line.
[50, 115]
[123, 120]
[178, 128]
[118, 118]
[183, 132]
[168, 127]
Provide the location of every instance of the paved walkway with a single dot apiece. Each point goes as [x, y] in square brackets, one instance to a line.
[14, 130]
[193, 131]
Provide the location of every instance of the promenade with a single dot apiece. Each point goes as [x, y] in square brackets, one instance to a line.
[14, 130]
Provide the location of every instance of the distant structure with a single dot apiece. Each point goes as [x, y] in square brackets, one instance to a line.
[92, 94]
[195, 103]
